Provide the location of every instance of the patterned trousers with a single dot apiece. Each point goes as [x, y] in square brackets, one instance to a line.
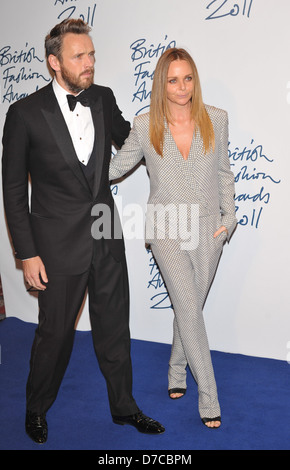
[188, 276]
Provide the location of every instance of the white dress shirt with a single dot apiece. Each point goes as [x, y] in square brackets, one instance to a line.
[79, 123]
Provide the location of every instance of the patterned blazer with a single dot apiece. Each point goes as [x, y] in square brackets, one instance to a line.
[203, 179]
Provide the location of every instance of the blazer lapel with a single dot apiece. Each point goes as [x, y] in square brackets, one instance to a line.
[197, 147]
[98, 120]
[58, 127]
[186, 167]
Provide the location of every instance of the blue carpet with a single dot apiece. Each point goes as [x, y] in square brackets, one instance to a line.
[253, 392]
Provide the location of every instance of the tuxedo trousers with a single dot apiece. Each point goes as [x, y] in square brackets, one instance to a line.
[59, 305]
[188, 275]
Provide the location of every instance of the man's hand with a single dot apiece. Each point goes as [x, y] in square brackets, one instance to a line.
[34, 272]
[219, 231]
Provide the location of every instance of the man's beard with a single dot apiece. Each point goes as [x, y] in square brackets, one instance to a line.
[76, 83]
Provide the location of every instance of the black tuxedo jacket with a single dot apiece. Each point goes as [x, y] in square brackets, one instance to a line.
[56, 224]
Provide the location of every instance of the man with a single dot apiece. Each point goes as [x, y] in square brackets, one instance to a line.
[66, 152]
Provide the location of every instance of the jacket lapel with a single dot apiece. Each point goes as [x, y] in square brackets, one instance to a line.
[186, 167]
[57, 124]
[197, 147]
[58, 127]
[98, 120]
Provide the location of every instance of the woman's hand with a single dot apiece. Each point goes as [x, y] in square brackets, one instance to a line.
[219, 231]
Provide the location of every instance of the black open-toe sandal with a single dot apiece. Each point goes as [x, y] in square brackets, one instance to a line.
[176, 390]
[208, 420]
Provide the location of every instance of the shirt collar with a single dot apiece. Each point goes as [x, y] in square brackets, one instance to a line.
[60, 92]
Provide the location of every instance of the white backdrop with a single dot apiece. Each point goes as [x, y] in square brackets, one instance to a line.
[241, 50]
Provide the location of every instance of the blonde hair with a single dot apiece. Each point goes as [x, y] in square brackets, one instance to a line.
[159, 110]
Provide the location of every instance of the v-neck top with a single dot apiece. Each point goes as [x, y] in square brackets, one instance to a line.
[186, 165]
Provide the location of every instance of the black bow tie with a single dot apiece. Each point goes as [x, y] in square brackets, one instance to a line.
[82, 98]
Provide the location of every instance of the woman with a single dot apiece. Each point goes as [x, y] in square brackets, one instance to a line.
[184, 143]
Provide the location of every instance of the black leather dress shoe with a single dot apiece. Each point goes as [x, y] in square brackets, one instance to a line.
[36, 427]
[141, 422]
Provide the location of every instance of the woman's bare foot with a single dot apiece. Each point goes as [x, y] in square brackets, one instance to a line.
[212, 423]
[176, 393]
